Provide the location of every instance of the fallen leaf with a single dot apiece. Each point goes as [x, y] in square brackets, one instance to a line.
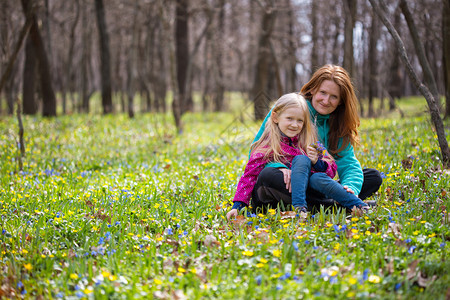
[412, 272]
[239, 221]
[211, 241]
[288, 214]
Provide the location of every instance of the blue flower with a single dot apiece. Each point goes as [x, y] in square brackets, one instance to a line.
[365, 274]
[258, 279]
[295, 245]
[19, 285]
[169, 231]
[442, 245]
[411, 249]
[398, 286]
[383, 175]
[408, 241]
[279, 287]
[307, 242]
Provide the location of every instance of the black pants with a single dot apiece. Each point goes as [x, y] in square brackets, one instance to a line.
[270, 190]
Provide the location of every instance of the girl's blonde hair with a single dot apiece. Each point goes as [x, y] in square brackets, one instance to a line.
[270, 141]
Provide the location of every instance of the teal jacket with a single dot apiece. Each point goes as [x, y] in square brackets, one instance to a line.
[348, 167]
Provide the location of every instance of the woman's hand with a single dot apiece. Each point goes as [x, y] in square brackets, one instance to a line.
[312, 154]
[287, 178]
[232, 214]
[349, 190]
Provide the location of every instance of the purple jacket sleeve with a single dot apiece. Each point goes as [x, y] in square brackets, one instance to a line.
[247, 181]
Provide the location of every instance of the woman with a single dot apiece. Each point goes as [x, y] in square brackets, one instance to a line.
[333, 108]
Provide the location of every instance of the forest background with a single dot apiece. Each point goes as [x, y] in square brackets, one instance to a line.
[124, 126]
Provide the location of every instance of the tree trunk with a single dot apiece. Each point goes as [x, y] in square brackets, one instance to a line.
[49, 99]
[132, 58]
[373, 62]
[314, 36]
[218, 50]
[29, 77]
[434, 112]
[259, 91]
[350, 19]
[420, 51]
[182, 56]
[446, 53]
[291, 80]
[104, 57]
[85, 56]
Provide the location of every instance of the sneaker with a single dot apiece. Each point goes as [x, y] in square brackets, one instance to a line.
[300, 209]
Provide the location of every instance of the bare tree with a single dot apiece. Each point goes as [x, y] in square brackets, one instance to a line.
[105, 57]
[350, 19]
[434, 111]
[446, 53]
[49, 99]
[261, 81]
[373, 62]
[420, 50]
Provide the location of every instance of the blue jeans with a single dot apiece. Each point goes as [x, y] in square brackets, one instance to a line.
[332, 189]
[300, 172]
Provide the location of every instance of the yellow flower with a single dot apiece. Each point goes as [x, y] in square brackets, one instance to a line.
[276, 253]
[157, 281]
[73, 276]
[181, 270]
[263, 260]
[356, 236]
[28, 266]
[352, 280]
[272, 211]
[368, 232]
[247, 253]
[193, 271]
[88, 290]
[354, 230]
[354, 219]
[337, 246]
[106, 274]
[368, 222]
[416, 232]
[432, 235]
[374, 279]
[260, 265]
[112, 277]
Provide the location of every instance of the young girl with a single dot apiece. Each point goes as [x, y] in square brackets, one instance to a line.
[285, 140]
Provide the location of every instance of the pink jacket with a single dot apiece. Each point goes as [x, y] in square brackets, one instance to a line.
[257, 163]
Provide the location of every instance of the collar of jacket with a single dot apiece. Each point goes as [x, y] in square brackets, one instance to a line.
[316, 117]
[288, 140]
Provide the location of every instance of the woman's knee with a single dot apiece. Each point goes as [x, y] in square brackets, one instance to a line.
[373, 177]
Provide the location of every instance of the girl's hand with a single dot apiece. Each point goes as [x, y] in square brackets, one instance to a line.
[232, 214]
[287, 177]
[312, 154]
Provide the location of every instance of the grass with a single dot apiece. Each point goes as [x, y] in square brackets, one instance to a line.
[112, 208]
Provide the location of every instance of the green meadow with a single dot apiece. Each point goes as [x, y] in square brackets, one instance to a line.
[108, 207]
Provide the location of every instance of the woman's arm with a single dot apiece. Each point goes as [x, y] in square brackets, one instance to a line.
[349, 170]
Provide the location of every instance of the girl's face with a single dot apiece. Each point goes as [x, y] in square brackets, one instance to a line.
[327, 97]
[290, 121]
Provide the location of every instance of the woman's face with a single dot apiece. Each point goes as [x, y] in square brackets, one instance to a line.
[327, 97]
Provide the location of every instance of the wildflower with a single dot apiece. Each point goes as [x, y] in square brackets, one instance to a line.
[263, 260]
[374, 279]
[276, 253]
[356, 236]
[181, 270]
[73, 276]
[106, 274]
[28, 266]
[411, 249]
[337, 246]
[352, 280]
[157, 281]
[247, 253]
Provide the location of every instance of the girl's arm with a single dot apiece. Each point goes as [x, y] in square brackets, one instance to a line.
[247, 181]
